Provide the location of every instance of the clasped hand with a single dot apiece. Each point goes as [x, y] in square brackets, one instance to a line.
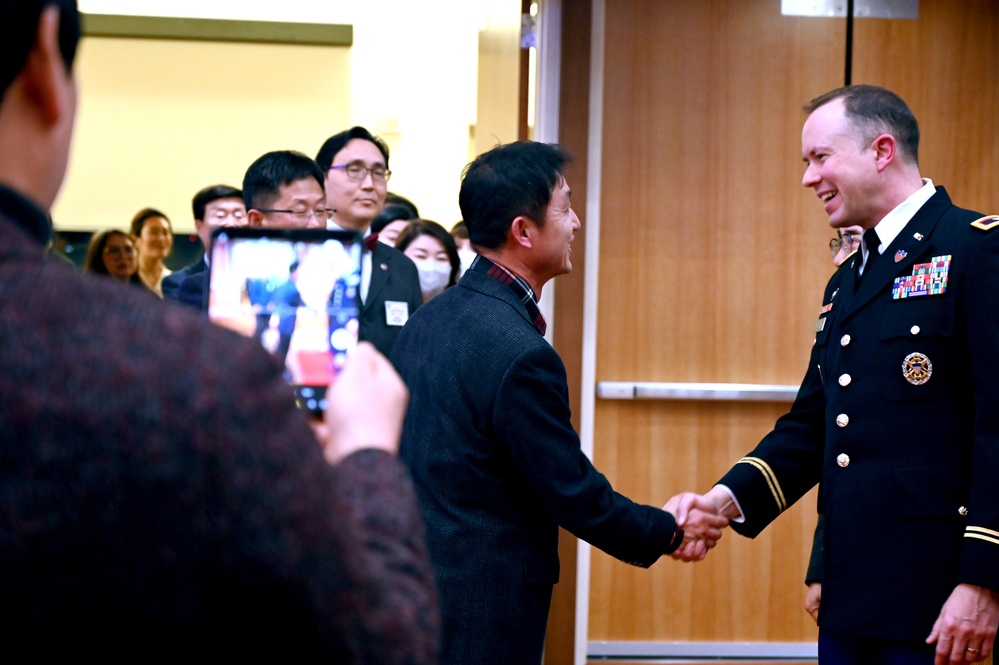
[702, 525]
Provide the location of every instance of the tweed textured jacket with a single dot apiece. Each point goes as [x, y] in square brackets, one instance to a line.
[161, 495]
[498, 468]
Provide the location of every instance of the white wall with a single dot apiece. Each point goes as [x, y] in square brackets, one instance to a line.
[410, 76]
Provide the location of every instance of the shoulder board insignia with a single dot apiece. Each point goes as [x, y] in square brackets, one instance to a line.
[986, 223]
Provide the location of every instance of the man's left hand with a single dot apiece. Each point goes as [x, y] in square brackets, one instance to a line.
[966, 628]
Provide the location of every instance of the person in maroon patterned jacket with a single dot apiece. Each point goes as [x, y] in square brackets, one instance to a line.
[160, 496]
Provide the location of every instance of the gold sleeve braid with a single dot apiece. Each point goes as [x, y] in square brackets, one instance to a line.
[771, 478]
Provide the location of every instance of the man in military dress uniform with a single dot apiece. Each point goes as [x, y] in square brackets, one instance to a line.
[898, 413]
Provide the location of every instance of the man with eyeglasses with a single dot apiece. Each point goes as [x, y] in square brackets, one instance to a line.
[355, 164]
[213, 207]
[846, 242]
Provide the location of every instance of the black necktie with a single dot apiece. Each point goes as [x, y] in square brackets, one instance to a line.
[872, 242]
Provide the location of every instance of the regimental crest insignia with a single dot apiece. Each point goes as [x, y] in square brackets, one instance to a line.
[986, 223]
[917, 369]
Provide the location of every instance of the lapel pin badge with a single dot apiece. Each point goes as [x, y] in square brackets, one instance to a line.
[900, 254]
[917, 236]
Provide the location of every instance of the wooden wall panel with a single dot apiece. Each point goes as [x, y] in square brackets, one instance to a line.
[745, 590]
[713, 258]
[946, 66]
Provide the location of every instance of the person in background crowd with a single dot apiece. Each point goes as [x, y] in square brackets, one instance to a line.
[466, 254]
[356, 164]
[393, 199]
[153, 237]
[111, 252]
[213, 207]
[390, 222]
[431, 248]
[846, 242]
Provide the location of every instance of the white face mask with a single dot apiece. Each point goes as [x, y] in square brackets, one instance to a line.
[434, 277]
[466, 256]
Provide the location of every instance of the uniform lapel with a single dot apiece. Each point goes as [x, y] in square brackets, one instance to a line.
[912, 244]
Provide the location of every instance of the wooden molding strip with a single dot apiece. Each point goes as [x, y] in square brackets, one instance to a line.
[218, 30]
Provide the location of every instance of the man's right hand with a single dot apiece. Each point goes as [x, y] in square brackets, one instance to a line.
[812, 600]
[701, 524]
[366, 406]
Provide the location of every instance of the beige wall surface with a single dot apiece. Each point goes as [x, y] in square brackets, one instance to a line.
[158, 120]
[161, 119]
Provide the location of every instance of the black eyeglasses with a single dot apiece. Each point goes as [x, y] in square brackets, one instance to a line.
[324, 215]
[360, 172]
[846, 241]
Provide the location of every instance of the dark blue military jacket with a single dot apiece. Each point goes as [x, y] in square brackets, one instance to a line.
[898, 418]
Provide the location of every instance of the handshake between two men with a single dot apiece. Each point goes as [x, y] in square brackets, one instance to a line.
[702, 518]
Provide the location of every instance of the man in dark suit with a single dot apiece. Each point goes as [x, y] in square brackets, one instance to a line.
[214, 207]
[356, 166]
[162, 498]
[896, 414]
[488, 438]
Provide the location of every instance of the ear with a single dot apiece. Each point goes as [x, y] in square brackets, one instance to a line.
[48, 86]
[885, 151]
[254, 218]
[522, 231]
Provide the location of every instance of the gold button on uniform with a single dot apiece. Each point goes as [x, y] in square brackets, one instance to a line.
[962, 511]
[842, 420]
[843, 460]
[844, 380]
[844, 340]
[914, 330]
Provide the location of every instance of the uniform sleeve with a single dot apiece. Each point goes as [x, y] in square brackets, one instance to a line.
[980, 551]
[532, 418]
[787, 462]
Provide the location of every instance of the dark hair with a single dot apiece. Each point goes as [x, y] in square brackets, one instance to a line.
[273, 170]
[459, 231]
[875, 111]
[19, 27]
[426, 227]
[213, 193]
[390, 213]
[508, 181]
[391, 198]
[335, 144]
[139, 221]
[94, 261]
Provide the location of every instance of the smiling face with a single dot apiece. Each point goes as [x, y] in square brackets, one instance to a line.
[554, 240]
[356, 202]
[841, 170]
[156, 238]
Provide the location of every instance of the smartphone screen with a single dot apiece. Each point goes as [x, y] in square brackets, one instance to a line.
[294, 290]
